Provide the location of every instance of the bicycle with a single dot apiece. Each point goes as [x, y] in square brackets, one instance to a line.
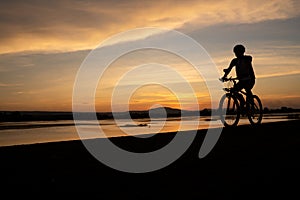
[230, 106]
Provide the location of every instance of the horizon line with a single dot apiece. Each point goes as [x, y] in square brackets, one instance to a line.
[270, 108]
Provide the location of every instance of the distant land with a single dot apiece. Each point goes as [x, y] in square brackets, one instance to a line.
[14, 116]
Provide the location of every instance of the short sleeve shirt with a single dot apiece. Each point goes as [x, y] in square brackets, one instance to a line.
[243, 67]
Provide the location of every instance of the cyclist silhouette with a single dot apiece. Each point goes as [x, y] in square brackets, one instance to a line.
[244, 72]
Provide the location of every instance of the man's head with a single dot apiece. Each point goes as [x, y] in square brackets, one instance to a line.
[239, 50]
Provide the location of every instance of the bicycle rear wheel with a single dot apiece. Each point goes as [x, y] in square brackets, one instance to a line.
[255, 110]
[229, 109]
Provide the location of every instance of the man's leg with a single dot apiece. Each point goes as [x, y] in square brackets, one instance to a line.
[239, 86]
[249, 95]
[248, 88]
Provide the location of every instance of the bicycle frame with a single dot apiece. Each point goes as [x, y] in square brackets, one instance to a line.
[231, 90]
[253, 108]
[239, 94]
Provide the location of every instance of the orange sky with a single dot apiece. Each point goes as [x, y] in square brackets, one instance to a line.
[44, 43]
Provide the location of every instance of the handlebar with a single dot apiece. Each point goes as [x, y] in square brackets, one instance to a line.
[224, 79]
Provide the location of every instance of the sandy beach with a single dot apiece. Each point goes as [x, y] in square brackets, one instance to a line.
[247, 162]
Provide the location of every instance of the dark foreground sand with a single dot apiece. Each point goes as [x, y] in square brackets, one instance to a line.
[246, 162]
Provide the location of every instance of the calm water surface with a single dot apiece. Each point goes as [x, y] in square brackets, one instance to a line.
[17, 133]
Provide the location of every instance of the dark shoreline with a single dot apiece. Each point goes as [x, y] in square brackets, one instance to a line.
[246, 162]
[52, 123]
[23, 116]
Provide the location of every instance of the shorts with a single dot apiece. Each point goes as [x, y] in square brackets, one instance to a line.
[245, 84]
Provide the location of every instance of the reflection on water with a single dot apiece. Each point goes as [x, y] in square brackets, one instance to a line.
[16, 133]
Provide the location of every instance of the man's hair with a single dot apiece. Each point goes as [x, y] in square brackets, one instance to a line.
[239, 48]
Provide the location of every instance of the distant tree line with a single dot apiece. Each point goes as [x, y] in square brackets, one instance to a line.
[34, 116]
[14, 116]
[280, 110]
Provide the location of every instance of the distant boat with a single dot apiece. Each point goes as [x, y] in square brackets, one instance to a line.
[143, 125]
[134, 125]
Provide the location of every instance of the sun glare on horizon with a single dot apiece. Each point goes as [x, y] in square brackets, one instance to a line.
[44, 46]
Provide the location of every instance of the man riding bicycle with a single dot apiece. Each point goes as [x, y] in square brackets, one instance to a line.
[244, 72]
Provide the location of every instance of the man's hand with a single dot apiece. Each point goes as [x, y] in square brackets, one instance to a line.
[223, 79]
[226, 71]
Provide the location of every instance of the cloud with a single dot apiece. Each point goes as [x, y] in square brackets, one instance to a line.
[10, 84]
[72, 25]
[238, 12]
[268, 28]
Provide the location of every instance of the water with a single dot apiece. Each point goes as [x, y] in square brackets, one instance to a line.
[17, 133]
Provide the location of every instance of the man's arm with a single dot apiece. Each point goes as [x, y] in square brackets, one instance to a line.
[231, 65]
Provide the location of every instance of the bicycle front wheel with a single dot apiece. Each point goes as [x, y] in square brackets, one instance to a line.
[255, 110]
[229, 109]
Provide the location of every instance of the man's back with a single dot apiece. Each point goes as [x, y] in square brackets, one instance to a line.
[244, 69]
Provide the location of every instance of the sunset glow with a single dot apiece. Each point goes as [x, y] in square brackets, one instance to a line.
[44, 43]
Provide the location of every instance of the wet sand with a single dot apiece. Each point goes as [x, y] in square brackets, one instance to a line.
[246, 162]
